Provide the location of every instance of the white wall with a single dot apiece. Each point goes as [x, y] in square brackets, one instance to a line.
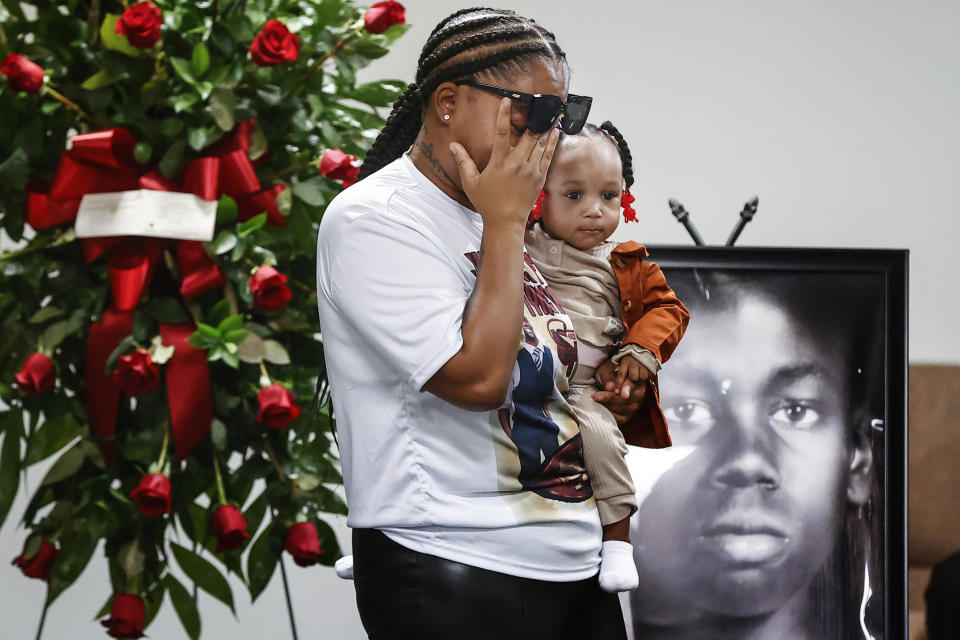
[842, 117]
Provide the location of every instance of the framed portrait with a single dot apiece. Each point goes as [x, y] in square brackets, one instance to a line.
[779, 511]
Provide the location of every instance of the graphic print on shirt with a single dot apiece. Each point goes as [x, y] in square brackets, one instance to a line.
[535, 417]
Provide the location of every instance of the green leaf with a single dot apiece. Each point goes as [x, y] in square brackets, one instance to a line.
[275, 353]
[258, 142]
[125, 346]
[234, 337]
[56, 332]
[226, 211]
[113, 40]
[172, 161]
[185, 607]
[225, 241]
[171, 127]
[261, 562]
[208, 331]
[200, 137]
[378, 94]
[249, 226]
[202, 342]
[204, 574]
[221, 38]
[393, 32]
[368, 48]
[167, 310]
[51, 437]
[12, 422]
[231, 323]
[67, 465]
[183, 102]
[14, 170]
[223, 102]
[100, 79]
[328, 542]
[184, 69]
[311, 191]
[255, 512]
[231, 359]
[200, 59]
[219, 312]
[218, 435]
[76, 548]
[251, 350]
[44, 314]
[142, 325]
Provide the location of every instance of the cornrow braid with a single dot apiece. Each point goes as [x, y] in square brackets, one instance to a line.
[626, 158]
[401, 129]
[464, 43]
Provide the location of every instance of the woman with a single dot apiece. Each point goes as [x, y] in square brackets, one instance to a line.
[761, 521]
[460, 529]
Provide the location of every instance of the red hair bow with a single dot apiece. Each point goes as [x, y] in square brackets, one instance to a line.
[626, 201]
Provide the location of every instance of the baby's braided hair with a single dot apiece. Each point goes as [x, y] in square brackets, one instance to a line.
[613, 134]
[461, 45]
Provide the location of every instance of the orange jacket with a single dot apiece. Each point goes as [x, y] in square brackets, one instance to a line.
[655, 319]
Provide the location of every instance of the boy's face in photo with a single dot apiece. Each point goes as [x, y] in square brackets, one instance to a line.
[740, 525]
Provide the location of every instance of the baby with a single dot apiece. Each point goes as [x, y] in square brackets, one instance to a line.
[621, 308]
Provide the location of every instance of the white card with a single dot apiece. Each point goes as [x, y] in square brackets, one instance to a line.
[146, 212]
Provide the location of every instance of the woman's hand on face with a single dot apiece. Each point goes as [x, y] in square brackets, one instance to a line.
[507, 188]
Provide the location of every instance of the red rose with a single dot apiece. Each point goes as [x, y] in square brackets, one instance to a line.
[383, 15]
[152, 496]
[269, 289]
[37, 374]
[141, 24]
[23, 74]
[136, 373]
[337, 165]
[277, 406]
[40, 564]
[303, 543]
[230, 527]
[126, 616]
[274, 45]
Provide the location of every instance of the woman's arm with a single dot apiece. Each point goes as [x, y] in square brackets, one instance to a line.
[477, 376]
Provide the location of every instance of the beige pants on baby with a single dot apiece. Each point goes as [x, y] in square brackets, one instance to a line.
[603, 450]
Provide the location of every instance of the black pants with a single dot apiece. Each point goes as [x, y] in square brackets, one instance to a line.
[403, 594]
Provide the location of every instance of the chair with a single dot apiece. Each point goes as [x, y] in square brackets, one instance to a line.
[934, 479]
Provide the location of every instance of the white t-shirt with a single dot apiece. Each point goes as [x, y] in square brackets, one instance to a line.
[502, 490]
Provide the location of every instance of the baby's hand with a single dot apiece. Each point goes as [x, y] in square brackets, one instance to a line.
[631, 369]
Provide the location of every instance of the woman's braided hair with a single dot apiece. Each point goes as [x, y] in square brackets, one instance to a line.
[463, 44]
[613, 134]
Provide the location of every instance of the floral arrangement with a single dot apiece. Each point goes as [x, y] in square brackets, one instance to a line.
[156, 367]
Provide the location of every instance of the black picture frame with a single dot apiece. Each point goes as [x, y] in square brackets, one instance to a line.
[885, 276]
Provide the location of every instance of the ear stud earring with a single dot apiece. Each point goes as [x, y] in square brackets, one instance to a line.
[446, 116]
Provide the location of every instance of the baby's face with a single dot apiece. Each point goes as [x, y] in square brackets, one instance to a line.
[583, 188]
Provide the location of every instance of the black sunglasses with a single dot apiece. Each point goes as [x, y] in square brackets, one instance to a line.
[544, 109]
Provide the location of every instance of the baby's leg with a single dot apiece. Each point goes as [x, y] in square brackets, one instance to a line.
[603, 451]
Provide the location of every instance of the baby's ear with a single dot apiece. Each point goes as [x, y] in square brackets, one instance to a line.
[861, 468]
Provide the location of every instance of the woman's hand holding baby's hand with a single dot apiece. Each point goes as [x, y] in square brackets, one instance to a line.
[507, 188]
[622, 399]
[631, 370]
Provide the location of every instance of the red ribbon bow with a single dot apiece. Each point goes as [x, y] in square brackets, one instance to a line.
[102, 162]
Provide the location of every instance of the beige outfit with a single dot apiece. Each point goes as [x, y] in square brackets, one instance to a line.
[586, 286]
